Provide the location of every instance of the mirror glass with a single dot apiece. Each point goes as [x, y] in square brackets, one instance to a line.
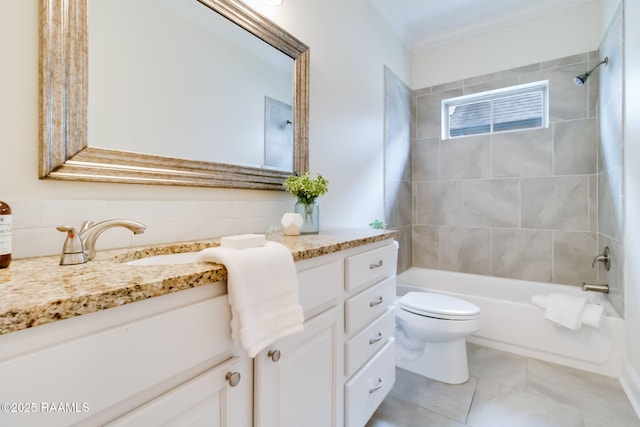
[170, 77]
[175, 92]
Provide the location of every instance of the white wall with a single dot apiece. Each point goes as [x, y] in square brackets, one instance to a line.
[632, 198]
[556, 35]
[349, 47]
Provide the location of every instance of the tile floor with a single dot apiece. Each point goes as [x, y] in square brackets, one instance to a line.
[507, 390]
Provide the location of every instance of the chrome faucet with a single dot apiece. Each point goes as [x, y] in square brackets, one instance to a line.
[596, 288]
[604, 258]
[80, 247]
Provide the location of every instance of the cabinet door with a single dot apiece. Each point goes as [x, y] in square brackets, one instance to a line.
[299, 385]
[214, 398]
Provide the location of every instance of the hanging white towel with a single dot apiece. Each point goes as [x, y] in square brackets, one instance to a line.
[262, 287]
[565, 310]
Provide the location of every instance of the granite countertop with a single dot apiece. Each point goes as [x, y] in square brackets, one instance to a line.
[36, 291]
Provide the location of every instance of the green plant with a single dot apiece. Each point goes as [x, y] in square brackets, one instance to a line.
[378, 225]
[305, 188]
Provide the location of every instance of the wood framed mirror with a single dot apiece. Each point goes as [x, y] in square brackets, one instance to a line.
[65, 150]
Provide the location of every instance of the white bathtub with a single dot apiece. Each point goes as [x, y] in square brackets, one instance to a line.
[511, 323]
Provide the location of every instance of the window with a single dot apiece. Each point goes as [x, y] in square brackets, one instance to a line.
[512, 108]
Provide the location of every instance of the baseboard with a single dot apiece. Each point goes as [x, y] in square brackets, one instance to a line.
[630, 382]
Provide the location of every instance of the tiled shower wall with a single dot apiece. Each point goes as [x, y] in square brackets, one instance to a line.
[519, 204]
[398, 164]
[610, 171]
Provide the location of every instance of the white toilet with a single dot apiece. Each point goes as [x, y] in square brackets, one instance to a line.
[431, 331]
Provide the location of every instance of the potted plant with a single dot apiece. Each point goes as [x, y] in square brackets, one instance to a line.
[307, 190]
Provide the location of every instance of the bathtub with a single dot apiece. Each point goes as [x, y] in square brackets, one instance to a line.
[511, 323]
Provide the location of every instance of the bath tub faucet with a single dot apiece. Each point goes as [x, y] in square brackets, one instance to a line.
[604, 258]
[80, 247]
[596, 288]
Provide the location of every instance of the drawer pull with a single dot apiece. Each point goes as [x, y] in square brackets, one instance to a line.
[233, 378]
[376, 388]
[376, 339]
[274, 355]
[378, 264]
[376, 302]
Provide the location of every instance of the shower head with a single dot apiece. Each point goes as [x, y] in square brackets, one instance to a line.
[582, 78]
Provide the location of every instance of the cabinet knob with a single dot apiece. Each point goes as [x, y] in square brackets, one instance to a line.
[233, 378]
[376, 302]
[377, 387]
[274, 355]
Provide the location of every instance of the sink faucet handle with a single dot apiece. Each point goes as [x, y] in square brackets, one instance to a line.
[73, 249]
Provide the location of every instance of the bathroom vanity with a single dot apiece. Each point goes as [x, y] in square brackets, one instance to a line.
[129, 345]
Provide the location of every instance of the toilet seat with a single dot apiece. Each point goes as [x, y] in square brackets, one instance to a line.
[439, 306]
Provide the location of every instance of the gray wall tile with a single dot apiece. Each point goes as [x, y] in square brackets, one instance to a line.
[615, 276]
[467, 157]
[426, 241]
[524, 153]
[398, 203]
[610, 147]
[567, 60]
[405, 248]
[426, 159]
[522, 254]
[491, 85]
[428, 113]
[440, 202]
[542, 195]
[575, 147]
[492, 203]
[467, 250]
[566, 100]
[556, 203]
[573, 253]
[398, 192]
[610, 203]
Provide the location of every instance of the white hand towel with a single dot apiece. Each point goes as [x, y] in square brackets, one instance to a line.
[262, 287]
[593, 315]
[565, 310]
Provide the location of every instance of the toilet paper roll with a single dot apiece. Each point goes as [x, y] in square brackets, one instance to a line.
[539, 301]
[593, 315]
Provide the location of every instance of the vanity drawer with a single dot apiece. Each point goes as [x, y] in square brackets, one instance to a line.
[364, 345]
[320, 288]
[369, 267]
[368, 388]
[363, 308]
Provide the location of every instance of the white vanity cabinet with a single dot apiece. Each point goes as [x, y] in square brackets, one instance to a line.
[169, 359]
[160, 360]
[296, 378]
[341, 367]
[370, 322]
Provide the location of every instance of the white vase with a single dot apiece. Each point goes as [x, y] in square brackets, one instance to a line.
[291, 223]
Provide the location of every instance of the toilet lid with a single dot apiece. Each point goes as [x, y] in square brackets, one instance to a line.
[439, 306]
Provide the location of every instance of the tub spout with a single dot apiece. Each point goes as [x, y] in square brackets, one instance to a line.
[596, 288]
